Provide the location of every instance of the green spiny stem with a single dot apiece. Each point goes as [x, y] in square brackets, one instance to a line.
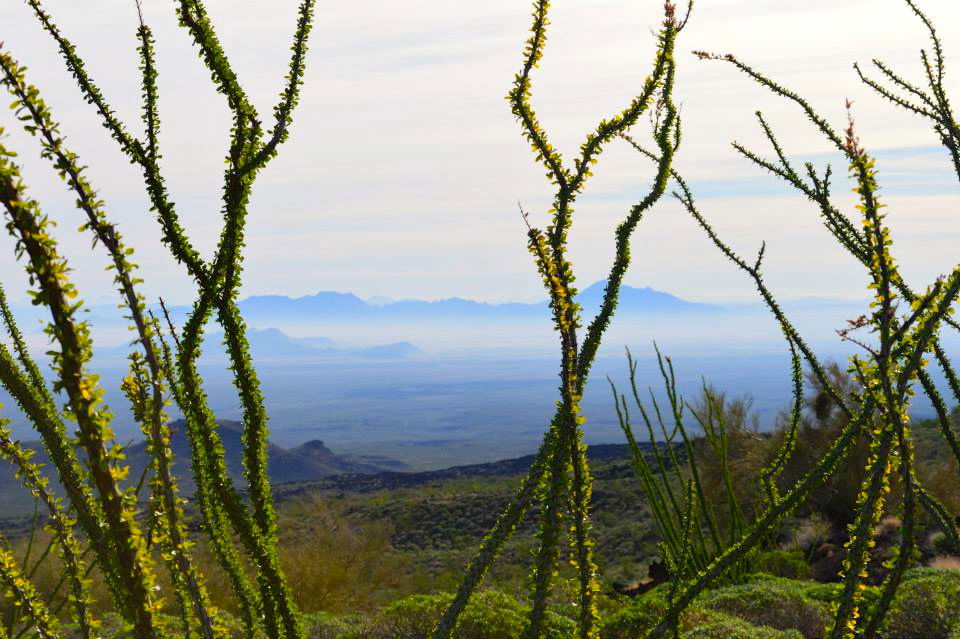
[291, 93]
[558, 485]
[836, 222]
[770, 472]
[84, 395]
[550, 255]
[148, 74]
[676, 406]
[215, 519]
[625, 230]
[258, 534]
[193, 16]
[25, 595]
[158, 432]
[811, 480]
[939, 512]
[672, 449]
[30, 474]
[656, 501]
[491, 545]
[220, 505]
[661, 465]
[556, 173]
[90, 91]
[688, 522]
[23, 354]
[907, 532]
[261, 548]
[61, 452]
[927, 108]
[686, 198]
[869, 509]
[717, 438]
[548, 534]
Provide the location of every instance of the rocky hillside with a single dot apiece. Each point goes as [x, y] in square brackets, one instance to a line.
[308, 462]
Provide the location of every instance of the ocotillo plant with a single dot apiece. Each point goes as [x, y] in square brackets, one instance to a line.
[673, 465]
[559, 477]
[902, 329]
[101, 510]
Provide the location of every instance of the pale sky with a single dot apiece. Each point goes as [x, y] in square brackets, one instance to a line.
[404, 166]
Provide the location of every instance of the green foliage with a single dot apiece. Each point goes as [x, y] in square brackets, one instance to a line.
[820, 424]
[123, 543]
[643, 614]
[490, 615]
[323, 625]
[903, 326]
[560, 477]
[725, 627]
[691, 483]
[639, 616]
[925, 606]
[777, 604]
[942, 544]
[782, 563]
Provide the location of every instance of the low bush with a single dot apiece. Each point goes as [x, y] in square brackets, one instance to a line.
[761, 606]
[780, 604]
[941, 544]
[782, 563]
[697, 621]
[722, 626]
[323, 625]
[490, 615]
[640, 615]
[926, 606]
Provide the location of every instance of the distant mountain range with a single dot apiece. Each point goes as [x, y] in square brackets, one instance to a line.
[310, 461]
[268, 310]
[383, 328]
[279, 310]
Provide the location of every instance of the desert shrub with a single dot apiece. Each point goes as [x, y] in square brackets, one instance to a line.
[331, 562]
[490, 615]
[941, 544]
[820, 425]
[113, 626]
[744, 455]
[782, 563]
[780, 604]
[721, 626]
[641, 614]
[925, 606]
[638, 618]
[323, 625]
